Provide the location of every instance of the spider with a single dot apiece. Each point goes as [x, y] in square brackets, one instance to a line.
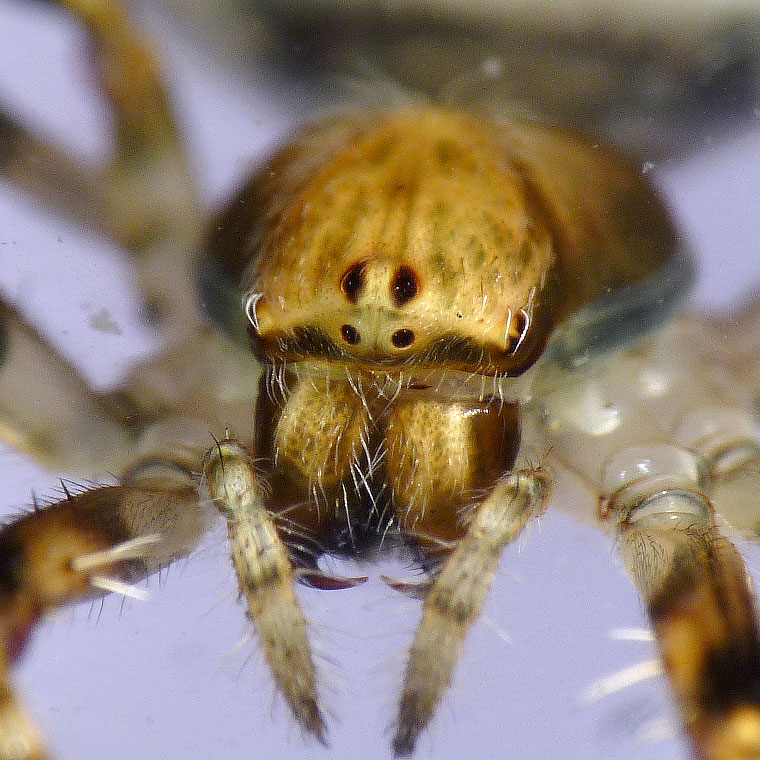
[304, 547]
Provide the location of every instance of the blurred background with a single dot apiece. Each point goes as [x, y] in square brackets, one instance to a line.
[675, 84]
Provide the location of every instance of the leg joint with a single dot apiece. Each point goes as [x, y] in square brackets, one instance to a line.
[654, 487]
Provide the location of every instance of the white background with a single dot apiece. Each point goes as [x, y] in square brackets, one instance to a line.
[165, 679]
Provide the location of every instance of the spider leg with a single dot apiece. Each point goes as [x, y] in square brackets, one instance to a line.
[86, 544]
[48, 410]
[456, 495]
[454, 600]
[146, 198]
[86, 432]
[665, 433]
[219, 393]
[725, 438]
[48, 175]
[696, 589]
[716, 413]
[266, 577]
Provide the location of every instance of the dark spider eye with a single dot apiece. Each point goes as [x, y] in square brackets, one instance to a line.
[402, 338]
[404, 286]
[350, 334]
[352, 281]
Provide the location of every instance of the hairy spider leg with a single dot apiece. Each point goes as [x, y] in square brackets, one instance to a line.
[146, 198]
[696, 589]
[80, 547]
[266, 577]
[449, 466]
[102, 539]
[666, 435]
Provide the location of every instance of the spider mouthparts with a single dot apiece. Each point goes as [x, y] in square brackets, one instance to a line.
[325, 582]
[413, 590]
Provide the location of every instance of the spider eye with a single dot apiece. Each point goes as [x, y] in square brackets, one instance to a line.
[353, 281]
[402, 338]
[350, 334]
[404, 286]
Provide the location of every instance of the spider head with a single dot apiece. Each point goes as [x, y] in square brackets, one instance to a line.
[417, 244]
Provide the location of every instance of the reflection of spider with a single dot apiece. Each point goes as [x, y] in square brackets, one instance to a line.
[415, 266]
